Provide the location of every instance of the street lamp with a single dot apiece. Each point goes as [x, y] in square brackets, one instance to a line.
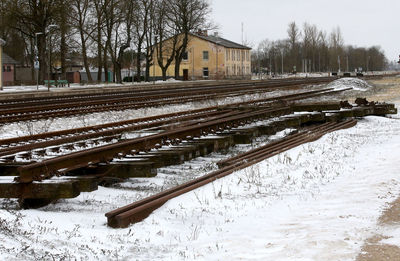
[37, 65]
[2, 42]
[155, 55]
[48, 31]
[191, 50]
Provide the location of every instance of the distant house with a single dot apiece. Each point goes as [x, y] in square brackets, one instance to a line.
[8, 69]
[209, 57]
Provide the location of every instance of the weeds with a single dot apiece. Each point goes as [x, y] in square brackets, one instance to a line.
[194, 235]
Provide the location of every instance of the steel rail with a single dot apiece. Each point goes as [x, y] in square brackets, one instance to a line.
[146, 95]
[136, 91]
[50, 167]
[62, 110]
[56, 138]
[163, 116]
[111, 130]
[141, 209]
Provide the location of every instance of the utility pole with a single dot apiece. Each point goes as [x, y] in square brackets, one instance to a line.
[270, 65]
[2, 42]
[242, 35]
[48, 31]
[338, 62]
[192, 63]
[37, 64]
[216, 58]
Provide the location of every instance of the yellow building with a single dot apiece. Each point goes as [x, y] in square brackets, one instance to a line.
[2, 42]
[209, 57]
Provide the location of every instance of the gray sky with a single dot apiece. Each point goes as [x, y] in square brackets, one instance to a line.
[363, 22]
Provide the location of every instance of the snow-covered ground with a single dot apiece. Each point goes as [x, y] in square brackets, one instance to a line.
[319, 201]
[41, 87]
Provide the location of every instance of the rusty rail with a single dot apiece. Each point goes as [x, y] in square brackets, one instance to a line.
[59, 165]
[50, 167]
[65, 107]
[139, 210]
[112, 129]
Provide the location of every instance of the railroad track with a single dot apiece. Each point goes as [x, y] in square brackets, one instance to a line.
[76, 148]
[136, 212]
[118, 160]
[61, 164]
[100, 134]
[40, 108]
[149, 90]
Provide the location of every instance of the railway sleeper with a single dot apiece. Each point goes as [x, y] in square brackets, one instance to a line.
[120, 170]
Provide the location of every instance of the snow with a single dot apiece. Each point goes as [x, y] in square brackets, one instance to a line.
[319, 201]
[355, 83]
[27, 88]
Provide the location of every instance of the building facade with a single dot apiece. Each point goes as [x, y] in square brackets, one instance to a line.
[209, 57]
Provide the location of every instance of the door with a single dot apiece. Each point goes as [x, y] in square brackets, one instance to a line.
[185, 74]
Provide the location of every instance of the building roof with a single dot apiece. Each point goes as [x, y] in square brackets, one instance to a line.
[221, 41]
[8, 60]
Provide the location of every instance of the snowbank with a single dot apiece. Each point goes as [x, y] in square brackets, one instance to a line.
[355, 83]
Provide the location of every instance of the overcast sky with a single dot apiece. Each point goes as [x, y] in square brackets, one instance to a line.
[363, 22]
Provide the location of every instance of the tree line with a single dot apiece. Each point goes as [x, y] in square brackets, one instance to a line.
[102, 32]
[309, 49]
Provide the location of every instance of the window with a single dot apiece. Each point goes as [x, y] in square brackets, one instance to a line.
[233, 55]
[205, 72]
[205, 56]
[185, 56]
[8, 68]
[228, 55]
[238, 55]
[4, 68]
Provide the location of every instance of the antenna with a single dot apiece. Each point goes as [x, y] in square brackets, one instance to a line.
[242, 35]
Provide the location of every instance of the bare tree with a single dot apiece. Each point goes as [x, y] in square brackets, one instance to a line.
[187, 16]
[164, 29]
[118, 21]
[99, 6]
[294, 35]
[32, 18]
[142, 23]
[150, 39]
[80, 21]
